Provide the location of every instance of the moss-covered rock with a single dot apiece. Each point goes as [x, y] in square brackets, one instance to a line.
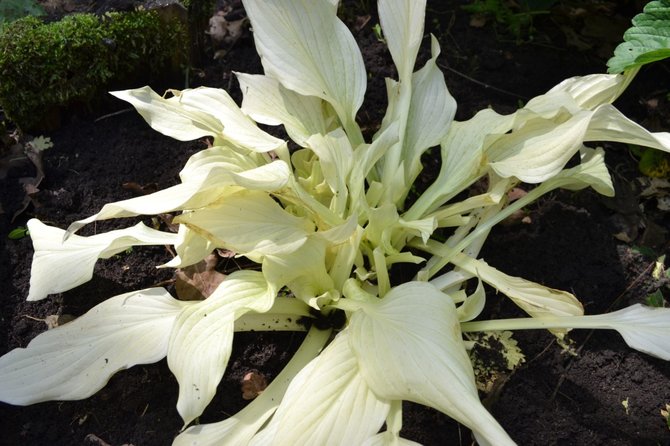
[46, 67]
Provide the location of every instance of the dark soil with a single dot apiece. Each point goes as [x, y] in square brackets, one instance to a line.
[554, 398]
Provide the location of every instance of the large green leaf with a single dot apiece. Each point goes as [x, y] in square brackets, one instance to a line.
[648, 40]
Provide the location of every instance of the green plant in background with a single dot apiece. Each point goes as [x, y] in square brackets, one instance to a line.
[11, 10]
[516, 17]
[324, 224]
[48, 66]
[648, 40]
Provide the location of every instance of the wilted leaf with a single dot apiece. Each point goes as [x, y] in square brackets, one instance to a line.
[253, 385]
[54, 320]
[33, 150]
[140, 189]
[197, 282]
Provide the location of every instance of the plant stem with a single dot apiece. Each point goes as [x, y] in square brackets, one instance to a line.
[445, 253]
[532, 323]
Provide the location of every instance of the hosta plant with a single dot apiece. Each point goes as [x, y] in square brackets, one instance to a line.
[323, 218]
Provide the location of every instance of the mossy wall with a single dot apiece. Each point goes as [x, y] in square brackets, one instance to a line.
[45, 67]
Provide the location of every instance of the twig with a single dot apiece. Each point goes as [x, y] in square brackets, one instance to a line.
[561, 379]
[483, 84]
[125, 110]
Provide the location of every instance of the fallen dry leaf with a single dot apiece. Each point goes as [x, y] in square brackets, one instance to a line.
[33, 150]
[253, 385]
[139, 189]
[53, 320]
[198, 282]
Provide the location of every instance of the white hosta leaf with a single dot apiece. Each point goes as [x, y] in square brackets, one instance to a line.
[409, 347]
[535, 299]
[593, 90]
[268, 102]
[223, 158]
[203, 183]
[309, 50]
[328, 403]
[59, 265]
[346, 255]
[268, 177]
[336, 160]
[191, 248]
[609, 124]
[365, 158]
[431, 112]
[303, 270]
[539, 149]
[238, 128]
[423, 228]
[644, 328]
[241, 427]
[202, 338]
[379, 229]
[192, 114]
[75, 360]
[391, 436]
[462, 152]
[473, 304]
[387, 439]
[168, 117]
[339, 234]
[402, 22]
[249, 222]
[592, 172]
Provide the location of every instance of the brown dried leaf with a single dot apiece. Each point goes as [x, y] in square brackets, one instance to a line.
[140, 189]
[515, 193]
[198, 282]
[54, 320]
[253, 385]
[33, 151]
[225, 253]
[478, 20]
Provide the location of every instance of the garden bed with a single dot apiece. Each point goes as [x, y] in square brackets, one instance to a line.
[604, 393]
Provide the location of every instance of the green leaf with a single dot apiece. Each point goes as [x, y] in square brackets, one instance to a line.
[648, 40]
[655, 299]
[18, 233]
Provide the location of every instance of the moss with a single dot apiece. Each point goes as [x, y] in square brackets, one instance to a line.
[45, 67]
